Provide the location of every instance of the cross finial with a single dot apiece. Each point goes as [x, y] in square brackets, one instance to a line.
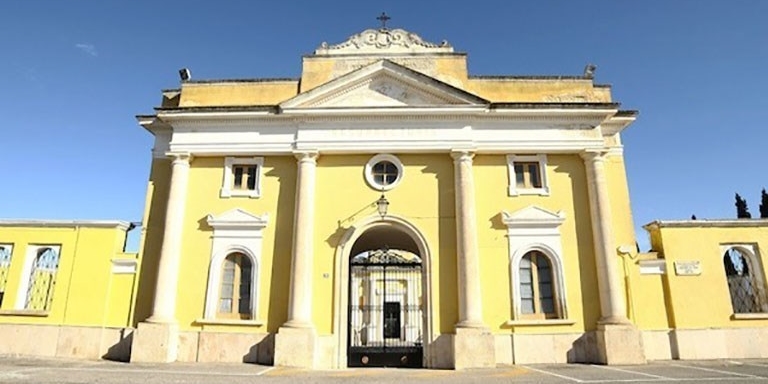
[383, 18]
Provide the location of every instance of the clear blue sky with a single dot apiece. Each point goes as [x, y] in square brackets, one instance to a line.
[74, 73]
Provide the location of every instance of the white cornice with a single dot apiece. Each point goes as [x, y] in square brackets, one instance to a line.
[352, 146]
[616, 124]
[707, 223]
[306, 116]
[395, 129]
[123, 225]
[176, 116]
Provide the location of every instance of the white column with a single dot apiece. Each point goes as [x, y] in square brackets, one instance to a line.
[612, 306]
[164, 309]
[468, 263]
[300, 296]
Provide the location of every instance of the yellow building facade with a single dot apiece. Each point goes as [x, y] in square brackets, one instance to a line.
[505, 200]
[387, 208]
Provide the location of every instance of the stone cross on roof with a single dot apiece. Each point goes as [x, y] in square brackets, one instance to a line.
[383, 18]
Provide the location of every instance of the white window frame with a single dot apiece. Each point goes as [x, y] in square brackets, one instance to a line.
[542, 160]
[234, 231]
[379, 158]
[536, 229]
[27, 269]
[226, 186]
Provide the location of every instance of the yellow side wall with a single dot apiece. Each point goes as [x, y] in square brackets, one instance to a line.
[538, 90]
[622, 224]
[317, 71]
[452, 69]
[86, 292]
[237, 93]
[647, 305]
[703, 301]
[151, 236]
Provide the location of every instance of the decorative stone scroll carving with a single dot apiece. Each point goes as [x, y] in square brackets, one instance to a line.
[378, 40]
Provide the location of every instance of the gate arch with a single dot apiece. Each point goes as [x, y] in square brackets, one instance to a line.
[412, 240]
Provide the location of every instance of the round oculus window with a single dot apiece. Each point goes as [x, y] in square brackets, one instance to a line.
[383, 172]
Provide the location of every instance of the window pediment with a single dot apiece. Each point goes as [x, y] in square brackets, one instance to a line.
[533, 216]
[237, 219]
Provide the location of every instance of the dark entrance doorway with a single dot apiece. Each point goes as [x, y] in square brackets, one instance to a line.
[385, 309]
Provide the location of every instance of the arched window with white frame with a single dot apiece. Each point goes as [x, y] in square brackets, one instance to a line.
[236, 288]
[537, 285]
[746, 283]
[538, 295]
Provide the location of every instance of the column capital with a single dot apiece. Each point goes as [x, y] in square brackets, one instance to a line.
[593, 155]
[306, 156]
[460, 155]
[181, 157]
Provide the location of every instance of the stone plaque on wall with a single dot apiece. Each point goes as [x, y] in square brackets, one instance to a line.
[688, 268]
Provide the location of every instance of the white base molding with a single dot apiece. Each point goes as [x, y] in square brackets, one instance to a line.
[720, 343]
[469, 348]
[473, 348]
[619, 344]
[295, 347]
[658, 344]
[66, 341]
[548, 348]
[155, 343]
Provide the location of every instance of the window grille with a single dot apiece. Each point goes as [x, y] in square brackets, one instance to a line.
[42, 280]
[5, 265]
[747, 293]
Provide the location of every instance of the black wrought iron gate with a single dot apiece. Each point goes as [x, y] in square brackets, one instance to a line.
[385, 310]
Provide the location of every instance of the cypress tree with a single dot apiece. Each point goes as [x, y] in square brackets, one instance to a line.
[742, 212]
[763, 204]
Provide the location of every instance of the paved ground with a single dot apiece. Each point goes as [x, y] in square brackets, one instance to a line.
[26, 370]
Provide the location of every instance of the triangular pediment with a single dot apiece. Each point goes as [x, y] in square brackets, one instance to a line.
[533, 215]
[383, 84]
[236, 218]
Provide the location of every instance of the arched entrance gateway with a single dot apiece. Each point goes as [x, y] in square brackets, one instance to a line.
[385, 308]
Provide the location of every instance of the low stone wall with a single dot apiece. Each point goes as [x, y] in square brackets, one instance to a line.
[519, 348]
[226, 347]
[115, 344]
[732, 343]
[66, 341]
[658, 344]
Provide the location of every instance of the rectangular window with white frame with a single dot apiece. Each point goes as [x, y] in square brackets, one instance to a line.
[6, 252]
[527, 175]
[242, 177]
